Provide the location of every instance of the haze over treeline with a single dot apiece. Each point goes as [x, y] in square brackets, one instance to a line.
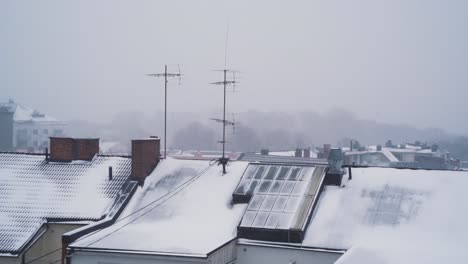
[257, 129]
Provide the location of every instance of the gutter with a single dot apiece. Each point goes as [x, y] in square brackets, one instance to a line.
[289, 246]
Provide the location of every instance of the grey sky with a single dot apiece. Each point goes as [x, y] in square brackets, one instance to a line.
[398, 61]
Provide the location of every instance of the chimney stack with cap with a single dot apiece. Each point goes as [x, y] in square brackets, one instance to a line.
[145, 157]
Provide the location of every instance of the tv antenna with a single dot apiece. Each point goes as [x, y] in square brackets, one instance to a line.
[224, 160]
[166, 75]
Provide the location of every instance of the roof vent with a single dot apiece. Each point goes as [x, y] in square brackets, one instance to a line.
[335, 173]
[37, 114]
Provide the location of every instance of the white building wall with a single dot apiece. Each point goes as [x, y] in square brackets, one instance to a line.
[254, 254]
[35, 134]
[86, 257]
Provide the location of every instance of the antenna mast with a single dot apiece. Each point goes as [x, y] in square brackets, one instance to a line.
[224, 160]
[166, 74]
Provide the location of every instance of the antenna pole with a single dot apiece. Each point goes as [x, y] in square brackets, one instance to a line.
[166, 75]
[165, 111]
[224, 118]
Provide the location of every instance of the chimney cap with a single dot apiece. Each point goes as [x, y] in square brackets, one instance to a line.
[75, 138]
[147, 139]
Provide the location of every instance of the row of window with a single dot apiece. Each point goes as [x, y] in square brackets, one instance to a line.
[22, 136]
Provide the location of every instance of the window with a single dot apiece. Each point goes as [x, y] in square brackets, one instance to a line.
[35, 132]
[22, 138]
[45, 131]
[58, 132]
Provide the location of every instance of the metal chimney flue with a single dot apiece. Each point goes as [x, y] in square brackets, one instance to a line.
[110, 173]
[47, 154]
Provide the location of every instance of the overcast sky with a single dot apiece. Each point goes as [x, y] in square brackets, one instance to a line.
[396, 61]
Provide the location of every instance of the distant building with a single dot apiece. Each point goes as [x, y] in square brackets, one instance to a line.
[403, 156]
[23, 129]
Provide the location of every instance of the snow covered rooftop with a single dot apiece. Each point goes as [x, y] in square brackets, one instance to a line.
[387, 215]
[25, 114]
[187, 211]
[33, 190]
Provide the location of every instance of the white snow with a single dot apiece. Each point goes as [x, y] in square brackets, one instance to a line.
[194, 219]
[389, 215]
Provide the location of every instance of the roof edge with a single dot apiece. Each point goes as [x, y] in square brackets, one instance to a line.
[289, 246]
[139, 252]
[73, 235]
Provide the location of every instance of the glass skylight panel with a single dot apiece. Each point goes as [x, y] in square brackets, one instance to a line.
[282, 173]
[260, 219]
[249, 172]
[256, 202]
[291, 205]
[276, 187]
[298, 189]
[252, 187]
[273, 220]
[284, 221]
[268, 203]
[293, 176]
[259, 172]
[280, 203]
[306, 174]
[271, 173]
[264, 186]
[248, 218]
[287, 187]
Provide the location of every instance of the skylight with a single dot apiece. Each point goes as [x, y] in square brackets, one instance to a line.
[279, 196]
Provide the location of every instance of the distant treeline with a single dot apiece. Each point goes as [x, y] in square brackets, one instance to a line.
[255, 130]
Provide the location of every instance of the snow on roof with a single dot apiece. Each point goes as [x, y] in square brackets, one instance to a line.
[384, 209]
[406, 250]
[25, 114]
[193, 213]
[32, 190]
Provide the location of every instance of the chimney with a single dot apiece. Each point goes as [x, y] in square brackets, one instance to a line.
[61, 149]
[86, 148]
[264, 151]
[326, 150]
[68, 149]
[307, 153]
[298, 153]
[145, 157]
[334, 175]
[379, 147]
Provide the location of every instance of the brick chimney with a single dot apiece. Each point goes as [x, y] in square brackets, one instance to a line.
[145, 157]
[326, 150]
[307, 153]
[86, 148]
[298, 153]
[68, 149]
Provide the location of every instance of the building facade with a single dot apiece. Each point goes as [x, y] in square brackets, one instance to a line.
[26, 130]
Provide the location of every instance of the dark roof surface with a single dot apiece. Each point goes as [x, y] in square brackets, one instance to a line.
[33, 190]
